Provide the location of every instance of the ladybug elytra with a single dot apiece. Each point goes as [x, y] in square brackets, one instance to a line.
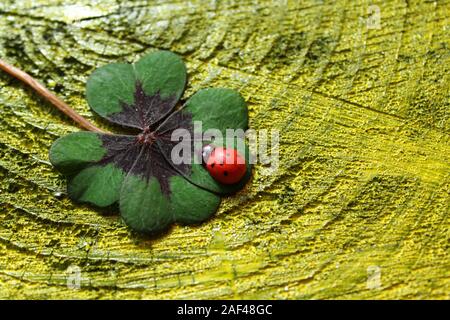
[226, 165]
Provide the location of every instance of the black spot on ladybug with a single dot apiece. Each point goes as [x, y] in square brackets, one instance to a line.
[225, 173]
[221, 164]
[212, 165]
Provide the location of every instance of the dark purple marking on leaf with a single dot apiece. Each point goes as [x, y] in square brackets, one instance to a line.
[147, 154]
[120, 150]
[146, 110]
[151, 163]
[178, 120]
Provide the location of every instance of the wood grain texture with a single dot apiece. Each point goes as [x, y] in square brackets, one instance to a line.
[364, 125]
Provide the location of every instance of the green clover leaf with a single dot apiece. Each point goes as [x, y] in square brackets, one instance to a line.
[136, 171]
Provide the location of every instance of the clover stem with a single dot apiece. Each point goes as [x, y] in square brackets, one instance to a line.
[49, 96]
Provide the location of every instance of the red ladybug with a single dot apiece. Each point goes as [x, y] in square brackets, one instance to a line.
[225, 165]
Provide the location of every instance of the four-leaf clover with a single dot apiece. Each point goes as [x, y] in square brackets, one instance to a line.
[136, 171]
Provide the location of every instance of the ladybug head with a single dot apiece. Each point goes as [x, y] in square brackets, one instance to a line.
[206, 152]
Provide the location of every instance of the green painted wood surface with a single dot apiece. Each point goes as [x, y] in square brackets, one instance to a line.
[363, 183]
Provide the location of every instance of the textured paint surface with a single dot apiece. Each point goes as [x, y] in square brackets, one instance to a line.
[358, 208]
